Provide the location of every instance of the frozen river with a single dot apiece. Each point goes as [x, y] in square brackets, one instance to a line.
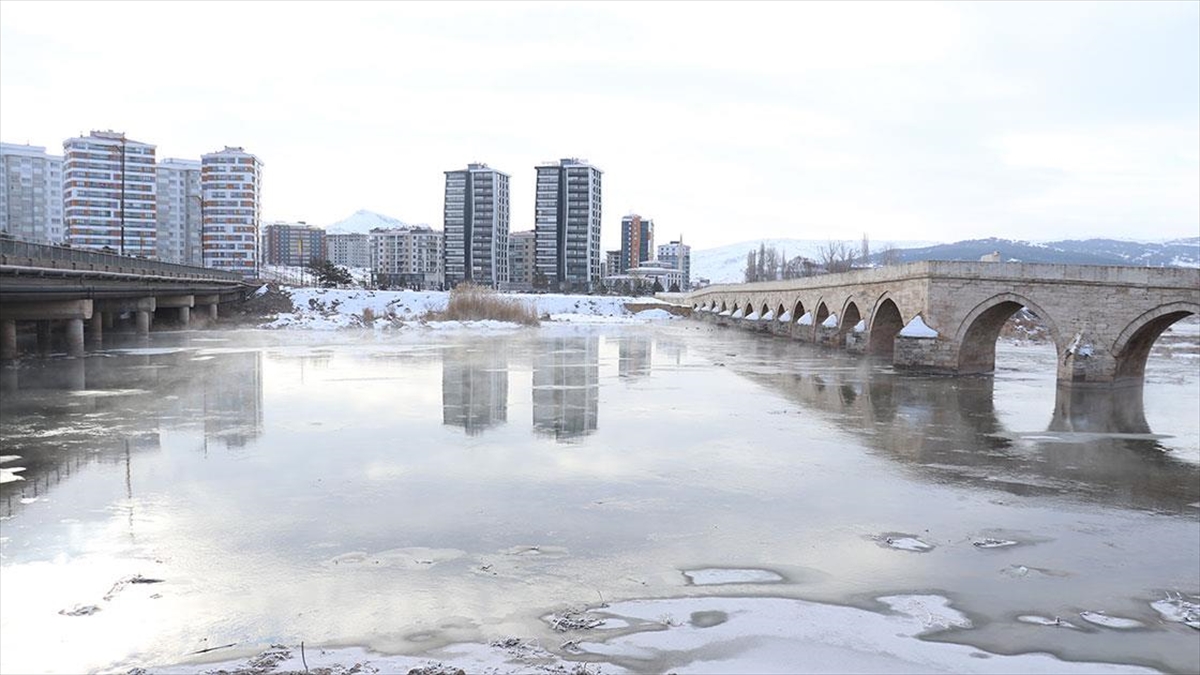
[719, 500]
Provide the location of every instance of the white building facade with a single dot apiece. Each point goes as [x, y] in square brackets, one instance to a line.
[678, 255]
[348, 249]
[110, 194]
[31, 194]
[476, 226]
[522, 260]
[567, 225]
[179, 211]
[408, 257]
[231, 187]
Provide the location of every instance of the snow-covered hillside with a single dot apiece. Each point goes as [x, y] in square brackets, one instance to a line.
[362, 222]
[727, 264]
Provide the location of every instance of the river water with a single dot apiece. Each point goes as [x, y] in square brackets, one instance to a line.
[407, 491]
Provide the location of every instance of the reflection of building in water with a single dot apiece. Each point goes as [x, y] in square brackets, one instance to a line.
[233, 399]
[633, 356]
[566, 386]
[474, 388]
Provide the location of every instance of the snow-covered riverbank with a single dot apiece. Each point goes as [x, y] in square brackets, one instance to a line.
[332, 309]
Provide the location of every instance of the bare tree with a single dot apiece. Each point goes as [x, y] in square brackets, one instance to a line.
[837, 256]
[751, 269]
[890, 255]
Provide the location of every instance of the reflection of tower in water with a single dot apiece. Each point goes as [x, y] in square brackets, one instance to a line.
[474, 388]
[633, 356]
[566, 387]
[233, 399]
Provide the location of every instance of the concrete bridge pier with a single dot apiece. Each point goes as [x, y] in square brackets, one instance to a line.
[142, 317]
[95, 332]
[74, 335]
[43, 338]
[109, 319]
[8, 339]
[206, 306]
[183, 303]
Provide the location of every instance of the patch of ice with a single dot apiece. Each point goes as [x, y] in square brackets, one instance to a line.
[917, 329]
[806, 319]
[5, 459]
[861, 326]
[9, 475]
[907, 544]
[993, 543]
[1045, 621]
[1179, 608]
[262, 290]
[785, 317]
[712, 576]
[1102, 619]
[769, 316]
[738, 314]
[830, 321]
[752, 316]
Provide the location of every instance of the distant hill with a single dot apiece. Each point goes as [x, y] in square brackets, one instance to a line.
[1175, 253]
[727, 264]
[362, 222]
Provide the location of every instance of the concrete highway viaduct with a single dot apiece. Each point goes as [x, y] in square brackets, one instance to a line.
[945, 317]
[55, 287]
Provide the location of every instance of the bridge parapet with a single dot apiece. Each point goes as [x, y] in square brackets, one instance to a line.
[23, 255]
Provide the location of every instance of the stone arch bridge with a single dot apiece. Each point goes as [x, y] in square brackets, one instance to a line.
[942, 316]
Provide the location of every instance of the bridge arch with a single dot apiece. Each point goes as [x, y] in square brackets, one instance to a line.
[884, 325]
[848, 319]
[797, 310]
[977, 334]
[822, 313]
[779, 312]
[1133, 344]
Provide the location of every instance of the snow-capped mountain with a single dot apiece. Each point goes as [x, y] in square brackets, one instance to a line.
[362, 222]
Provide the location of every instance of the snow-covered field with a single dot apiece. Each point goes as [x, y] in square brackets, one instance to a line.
[332, 309]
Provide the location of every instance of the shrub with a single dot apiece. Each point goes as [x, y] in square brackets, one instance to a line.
[469, 302]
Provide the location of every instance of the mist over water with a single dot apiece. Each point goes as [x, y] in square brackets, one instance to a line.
[407, 491]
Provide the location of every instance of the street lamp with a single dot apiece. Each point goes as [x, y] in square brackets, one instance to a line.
[122, 194]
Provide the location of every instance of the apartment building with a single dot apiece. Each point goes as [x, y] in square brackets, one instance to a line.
[179, 212]
[293, 244]
[637, 242]
[567, 224]
[679, 256]
[110, 194]
[408, 257]
[348, 249]
[31, 194]
[231, 187]
[612, 263]
[475, 223]
[522, 260]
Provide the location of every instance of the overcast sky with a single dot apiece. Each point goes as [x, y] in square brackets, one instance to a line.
[722, 122]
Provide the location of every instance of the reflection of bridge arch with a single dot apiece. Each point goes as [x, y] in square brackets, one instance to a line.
[977, 334]
[1133, 344]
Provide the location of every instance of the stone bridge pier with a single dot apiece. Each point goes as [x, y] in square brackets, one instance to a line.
[945, 317]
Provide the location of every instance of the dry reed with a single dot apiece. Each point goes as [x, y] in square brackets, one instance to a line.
[469, 302]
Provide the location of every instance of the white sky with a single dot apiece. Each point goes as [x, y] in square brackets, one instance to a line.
[723, 122]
